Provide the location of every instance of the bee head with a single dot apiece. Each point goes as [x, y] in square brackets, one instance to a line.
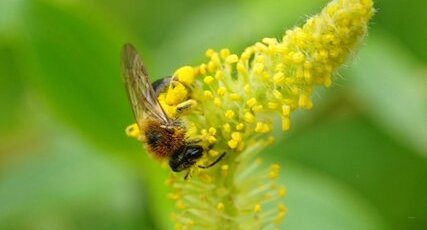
[185, 157]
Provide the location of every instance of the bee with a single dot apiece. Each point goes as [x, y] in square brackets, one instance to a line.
[162, 136]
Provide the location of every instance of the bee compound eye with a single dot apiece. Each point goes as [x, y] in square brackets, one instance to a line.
[194, 152]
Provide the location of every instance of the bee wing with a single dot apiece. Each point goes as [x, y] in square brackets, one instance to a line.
[140, 91]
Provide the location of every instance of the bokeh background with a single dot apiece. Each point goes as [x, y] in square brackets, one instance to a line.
[358, 160]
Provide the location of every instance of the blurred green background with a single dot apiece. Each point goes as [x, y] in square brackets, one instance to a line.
[358, 160]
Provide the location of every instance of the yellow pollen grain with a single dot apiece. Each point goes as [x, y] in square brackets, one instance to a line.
[298, 57]
[308, 65]
[278, 78]
[208, 80]
[211, 66]
[232, 143]
[237, 136]
[220, 206]
[282, 207]
[180, 204]
[269, 41]
[204, 132]
[212, 131]
[286, 123]
[277, 94]
[279, 217]
[307, 76]
[217, 102]
[173, 196]
[234, 96]
[257, 208]
[251, 102]
[303, 101]
[211, 139]
[229, 114]
[273, 175]
[247, 89]
[270, 140]
[240, 126]
[221, 91]
[279, 67]
[209, 53]
[224, 167]
[213, 153]
[257, 108]
[202, 69]
[272, 105]
[261, 127]
[133, 131]
[260, 47]
[249, 117]
[232, 59]
[208, 94]
[265, 76]
[275, 167]
[224, 53]
[219, 74]
[286, 110]
[282, 191]
[215, 59]
[227, 127]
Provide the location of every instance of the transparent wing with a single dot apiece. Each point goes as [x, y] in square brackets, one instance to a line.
[141, 93]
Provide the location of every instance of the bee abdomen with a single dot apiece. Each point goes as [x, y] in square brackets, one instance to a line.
[161, 142]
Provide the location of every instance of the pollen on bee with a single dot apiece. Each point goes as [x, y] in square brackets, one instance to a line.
[133, 131]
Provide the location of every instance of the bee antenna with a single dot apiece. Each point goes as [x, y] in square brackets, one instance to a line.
[213, 163]
[187, 175]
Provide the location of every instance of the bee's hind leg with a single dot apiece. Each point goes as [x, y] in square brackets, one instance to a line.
[185, 107]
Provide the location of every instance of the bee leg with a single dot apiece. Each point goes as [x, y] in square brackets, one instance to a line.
[193, 141]
[185, 106]
[213, 163]
[187, 175]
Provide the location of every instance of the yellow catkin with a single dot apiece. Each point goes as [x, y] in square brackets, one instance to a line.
[232, 102]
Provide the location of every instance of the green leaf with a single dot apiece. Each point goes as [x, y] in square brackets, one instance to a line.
[391, 89]
[317, 201]
[77, 70]
[69, 185]
[352, 150]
